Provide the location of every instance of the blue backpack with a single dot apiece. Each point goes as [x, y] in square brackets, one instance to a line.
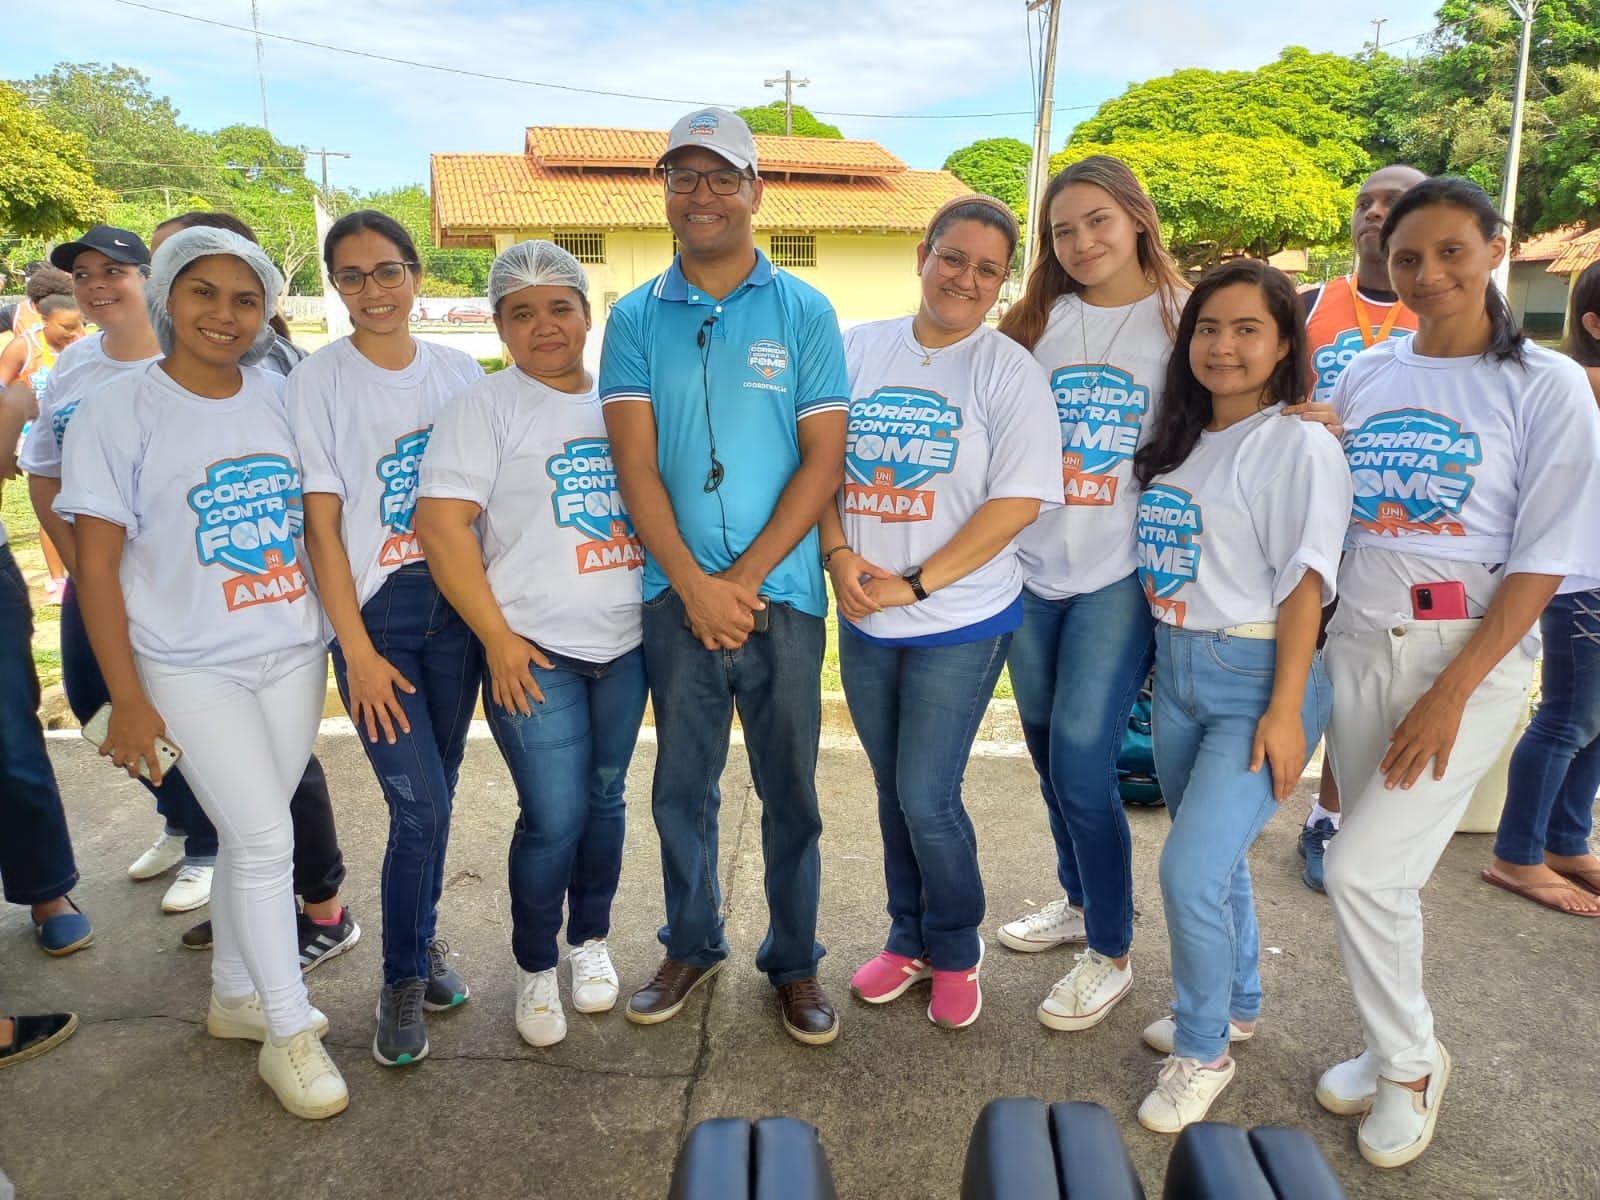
[1136, 764]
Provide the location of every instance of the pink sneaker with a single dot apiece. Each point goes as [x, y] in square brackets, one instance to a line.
[887, 977]
[957, 998]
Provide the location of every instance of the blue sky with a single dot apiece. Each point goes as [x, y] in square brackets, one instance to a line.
[862, 56]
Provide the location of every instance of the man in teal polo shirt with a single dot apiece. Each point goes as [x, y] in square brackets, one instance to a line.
[725, 396]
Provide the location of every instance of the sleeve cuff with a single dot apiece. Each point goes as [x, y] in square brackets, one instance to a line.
[330, 484]
[453, 490]
[1289, 578]
[617, 394]
[93, 506]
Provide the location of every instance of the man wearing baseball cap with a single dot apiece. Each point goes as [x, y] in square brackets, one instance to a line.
[725, 397]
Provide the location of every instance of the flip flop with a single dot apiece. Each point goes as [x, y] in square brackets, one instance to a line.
[1588, 882]
[1532, 891]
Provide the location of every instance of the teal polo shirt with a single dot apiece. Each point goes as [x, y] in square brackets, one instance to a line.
[772, 356]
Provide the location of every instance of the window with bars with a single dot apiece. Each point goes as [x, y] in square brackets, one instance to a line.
[794, 249]
[585, 247]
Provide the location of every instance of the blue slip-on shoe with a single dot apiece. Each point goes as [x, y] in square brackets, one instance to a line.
[64, 933]
[1314, 841]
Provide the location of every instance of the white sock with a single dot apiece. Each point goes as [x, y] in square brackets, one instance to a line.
[1319, 813]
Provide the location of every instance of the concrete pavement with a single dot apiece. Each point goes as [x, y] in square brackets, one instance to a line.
[141, 1103]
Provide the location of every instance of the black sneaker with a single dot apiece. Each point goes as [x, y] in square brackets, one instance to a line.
[198, 938]
[319, 943]
[402, 1037]
[446, 988]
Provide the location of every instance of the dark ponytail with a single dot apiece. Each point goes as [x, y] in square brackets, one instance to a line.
[1186, 404]
[1581, 344]
[1505, 339]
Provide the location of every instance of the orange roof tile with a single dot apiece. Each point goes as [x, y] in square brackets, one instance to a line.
[1579, 254]
[1544, 247]
[475, 195]
[587, 146]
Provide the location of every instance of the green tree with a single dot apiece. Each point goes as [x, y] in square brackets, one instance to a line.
[1220, 192]
[1322, 101]
[139, 144]
[996, 167]
[46, 183]
[768, 118]
[265, 185]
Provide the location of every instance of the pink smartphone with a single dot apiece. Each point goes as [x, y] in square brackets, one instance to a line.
[1442, 601]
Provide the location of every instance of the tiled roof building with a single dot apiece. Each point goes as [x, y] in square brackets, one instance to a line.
[845, 215]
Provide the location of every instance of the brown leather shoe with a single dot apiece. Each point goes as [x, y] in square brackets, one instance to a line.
[808, 1014]
[661, 998]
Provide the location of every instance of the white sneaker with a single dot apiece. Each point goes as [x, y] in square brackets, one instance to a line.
[303, 1077]
[189, 891]
[1401, 1122]
[540, 1020]
[1349, 1087]
[1183, 1094]
[1159, 1035]
[247, 1020]
[1085, 995]
[594, 979]
[1056, 924]
[166, 853]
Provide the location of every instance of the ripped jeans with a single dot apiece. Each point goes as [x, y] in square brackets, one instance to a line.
[569, 763]
[414, 627]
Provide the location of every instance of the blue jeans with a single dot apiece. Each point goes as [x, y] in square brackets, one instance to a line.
[86, 692]
[917, 710]
[569, 762]
[775, 680]
[1076, 667]
[36, 861]
[1211, 690]
[1555, 769]
[414, 627]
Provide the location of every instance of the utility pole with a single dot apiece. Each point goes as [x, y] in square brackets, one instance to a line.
[789, 84]
[1377, 32]
[1508, 181]
[324, 154]
[261, 56]
[1039, 167]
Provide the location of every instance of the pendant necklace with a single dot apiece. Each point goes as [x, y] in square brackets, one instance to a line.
[1103, 361]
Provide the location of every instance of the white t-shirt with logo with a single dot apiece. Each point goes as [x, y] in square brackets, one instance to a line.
[1225, 537]
[1107, 368]
[1469, 469]
[558, 546]
[213, 569]
[83, 369]
[361, 430]
[927, 446]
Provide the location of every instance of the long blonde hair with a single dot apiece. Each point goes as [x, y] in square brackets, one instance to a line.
[1048, 281]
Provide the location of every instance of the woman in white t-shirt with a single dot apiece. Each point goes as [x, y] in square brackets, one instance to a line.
[1240, 520]
[1476, 461]
[1098, 314]
[524, 526]
[950, 455]
[184, 490]
[406, 665]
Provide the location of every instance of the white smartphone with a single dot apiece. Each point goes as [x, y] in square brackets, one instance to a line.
[99, 729]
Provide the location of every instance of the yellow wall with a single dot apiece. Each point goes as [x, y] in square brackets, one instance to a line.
[866, 276]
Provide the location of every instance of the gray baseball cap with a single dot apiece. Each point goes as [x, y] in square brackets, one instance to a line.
[722, 132]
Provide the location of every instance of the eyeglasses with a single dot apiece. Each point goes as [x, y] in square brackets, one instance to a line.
[724, 181]
[350, 280]
[954, 264]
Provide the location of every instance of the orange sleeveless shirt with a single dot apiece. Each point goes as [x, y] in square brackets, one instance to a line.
[1343, 324]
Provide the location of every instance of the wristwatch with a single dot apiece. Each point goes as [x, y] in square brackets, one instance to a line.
[914, 578]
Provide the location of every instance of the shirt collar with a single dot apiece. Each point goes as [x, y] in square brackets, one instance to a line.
[674, 286]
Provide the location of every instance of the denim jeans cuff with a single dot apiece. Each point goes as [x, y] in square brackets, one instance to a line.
[199, 860]
[44, 894]
[794, 975]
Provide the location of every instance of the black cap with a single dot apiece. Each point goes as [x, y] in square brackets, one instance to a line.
[119, 245]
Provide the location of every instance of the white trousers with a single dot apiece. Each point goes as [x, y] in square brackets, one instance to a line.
[1390, 841]
[246, 729]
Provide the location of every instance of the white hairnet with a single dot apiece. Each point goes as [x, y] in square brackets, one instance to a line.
[534, 263]
[181, 249]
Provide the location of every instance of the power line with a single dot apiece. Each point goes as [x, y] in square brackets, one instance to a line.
[586, 91]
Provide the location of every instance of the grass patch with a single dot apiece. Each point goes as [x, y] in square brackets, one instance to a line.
[22, 533]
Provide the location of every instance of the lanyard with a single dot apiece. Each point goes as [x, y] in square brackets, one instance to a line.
[1368, 338]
